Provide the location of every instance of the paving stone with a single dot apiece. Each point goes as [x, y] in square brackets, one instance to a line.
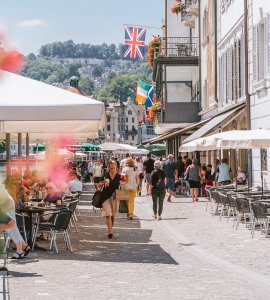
[146, 259]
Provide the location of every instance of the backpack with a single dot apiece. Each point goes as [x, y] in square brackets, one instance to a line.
[160, 185]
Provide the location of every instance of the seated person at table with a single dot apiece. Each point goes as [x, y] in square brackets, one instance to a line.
[52, 196]
[74, 184]
[241, 177]
[39, 188]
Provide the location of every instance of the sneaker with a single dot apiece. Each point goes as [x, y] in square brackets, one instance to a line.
[158, 218]
[154, 216]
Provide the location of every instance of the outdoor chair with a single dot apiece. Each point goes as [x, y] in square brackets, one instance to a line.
[224, 203]
[243, 211]
[60, 225]
[216, 201]
[232, 207]
[72, 205]
[209, 196]
[260, 217]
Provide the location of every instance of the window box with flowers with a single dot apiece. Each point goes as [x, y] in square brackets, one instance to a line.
[153, 48]
[177, 7]
[154, 111]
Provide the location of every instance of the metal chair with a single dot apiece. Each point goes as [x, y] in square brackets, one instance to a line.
[260, 217]
[243, 211]
[62, 220]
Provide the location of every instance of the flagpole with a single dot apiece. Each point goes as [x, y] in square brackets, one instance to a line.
[142, 26]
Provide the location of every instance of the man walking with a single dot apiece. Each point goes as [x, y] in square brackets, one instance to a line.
[148, 167]
[171, 173]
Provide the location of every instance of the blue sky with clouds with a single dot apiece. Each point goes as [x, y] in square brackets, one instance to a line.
[28, 24]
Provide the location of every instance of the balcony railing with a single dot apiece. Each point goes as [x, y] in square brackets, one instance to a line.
[178, 47]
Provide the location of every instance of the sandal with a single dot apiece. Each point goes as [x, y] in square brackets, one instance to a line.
[17, 255]
[26, 250]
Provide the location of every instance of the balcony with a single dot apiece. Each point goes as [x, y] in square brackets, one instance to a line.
[192, 7]
[178, 47]
[180, 112]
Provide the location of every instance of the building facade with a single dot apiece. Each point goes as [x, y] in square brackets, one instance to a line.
[259, 81]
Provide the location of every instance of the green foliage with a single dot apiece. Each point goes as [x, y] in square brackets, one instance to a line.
[2, 146]
[119, 88]
[87, 85]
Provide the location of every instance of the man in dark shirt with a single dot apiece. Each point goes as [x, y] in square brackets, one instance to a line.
[171, 173]
[148, 167]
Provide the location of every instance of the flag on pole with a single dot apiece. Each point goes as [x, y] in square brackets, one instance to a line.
[134, 41]
[144, 93]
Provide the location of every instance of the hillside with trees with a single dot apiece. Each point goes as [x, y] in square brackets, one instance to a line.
[103, 72]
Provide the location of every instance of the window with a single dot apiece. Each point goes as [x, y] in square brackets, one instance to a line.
[126, 119]
[258, 52]
[205, 24]
[133, 120]
[108, 127]
[130, 112]
[264, 159]
[108, 118]
[133, 138]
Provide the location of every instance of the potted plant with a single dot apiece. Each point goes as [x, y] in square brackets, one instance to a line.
[177, 7]
[154, 47]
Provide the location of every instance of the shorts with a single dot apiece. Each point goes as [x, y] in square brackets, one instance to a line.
[170, 183]
[110, 207]
[194, 184]
[97, 179]
[148, 177]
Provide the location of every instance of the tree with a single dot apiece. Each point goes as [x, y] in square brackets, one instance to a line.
[97, 71]
[87, 85]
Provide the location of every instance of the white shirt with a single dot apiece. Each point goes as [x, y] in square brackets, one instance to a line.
[91, 166]
[122, 163]
[131, 174]
[139, 166]
[242, 175]
[75, 185]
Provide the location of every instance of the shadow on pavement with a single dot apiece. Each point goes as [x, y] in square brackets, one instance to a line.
[21, 274]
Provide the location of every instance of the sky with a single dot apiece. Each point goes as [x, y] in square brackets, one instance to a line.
[28, 24]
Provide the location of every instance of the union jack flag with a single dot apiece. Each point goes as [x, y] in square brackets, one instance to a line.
[134, 41]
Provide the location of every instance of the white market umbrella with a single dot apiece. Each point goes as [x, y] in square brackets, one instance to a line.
[80, 154]
[109, 146]
[63, 153]
[30, 106]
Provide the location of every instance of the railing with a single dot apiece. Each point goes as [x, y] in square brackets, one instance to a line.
[178, 47]
[194, 3]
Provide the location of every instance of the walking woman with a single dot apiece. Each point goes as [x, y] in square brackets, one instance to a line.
[110, 206]
[98, 173]
[132, 179]
[158, 189]
[139, 166]
[194, 178]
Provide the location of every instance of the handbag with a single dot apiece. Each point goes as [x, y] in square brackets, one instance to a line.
[122, 194]
[97, 199]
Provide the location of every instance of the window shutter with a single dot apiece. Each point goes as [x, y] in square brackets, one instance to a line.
[267, 45]
[255, 46]
[225, 79]
[236, 71]
[242, 66]
[229, 75]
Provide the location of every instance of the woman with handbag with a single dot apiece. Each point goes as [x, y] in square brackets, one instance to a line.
[139, 166]
[110, 205]
[132, 179]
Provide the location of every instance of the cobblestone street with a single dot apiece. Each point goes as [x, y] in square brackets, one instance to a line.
[189, 254]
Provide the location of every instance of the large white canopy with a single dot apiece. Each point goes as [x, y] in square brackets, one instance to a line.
[31, 106]
[234, 139]
[109, 146]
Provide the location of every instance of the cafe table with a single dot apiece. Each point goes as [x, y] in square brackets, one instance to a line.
[34, 212]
